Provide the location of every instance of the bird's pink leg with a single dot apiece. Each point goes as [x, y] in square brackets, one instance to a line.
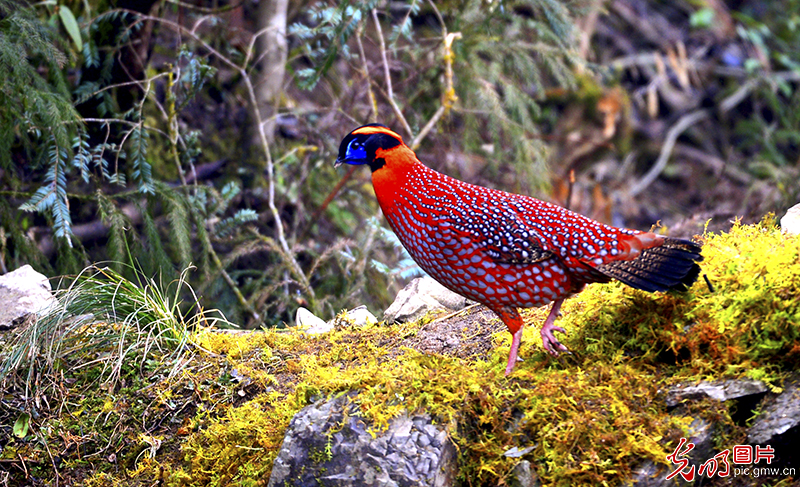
[510, 316]
[550, 342]
[512, 355]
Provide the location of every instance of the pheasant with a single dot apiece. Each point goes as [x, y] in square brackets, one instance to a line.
[504, 250]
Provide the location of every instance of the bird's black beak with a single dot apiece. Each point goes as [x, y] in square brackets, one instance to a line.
[337, 163]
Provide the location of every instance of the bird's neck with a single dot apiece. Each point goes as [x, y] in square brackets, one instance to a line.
[389, 179]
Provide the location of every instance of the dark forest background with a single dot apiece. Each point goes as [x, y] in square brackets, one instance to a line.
[163, 135]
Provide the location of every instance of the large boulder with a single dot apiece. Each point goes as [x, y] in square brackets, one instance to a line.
[329, 444]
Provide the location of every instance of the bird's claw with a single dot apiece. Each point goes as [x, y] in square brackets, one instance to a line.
[550, 342]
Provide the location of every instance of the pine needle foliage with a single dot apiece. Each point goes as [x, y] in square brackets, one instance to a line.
[36, 111]
[507, 55]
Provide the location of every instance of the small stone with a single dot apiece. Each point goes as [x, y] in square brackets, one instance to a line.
[517, 452]
[790, 223]
[309, 323]
[524, 476]
[23, 292]
[421, 296]
[361, 316]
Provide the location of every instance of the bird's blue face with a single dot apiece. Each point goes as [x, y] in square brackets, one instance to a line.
[361, 145]
[356, 152]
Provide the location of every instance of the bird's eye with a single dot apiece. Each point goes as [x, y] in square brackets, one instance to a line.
[356, 151]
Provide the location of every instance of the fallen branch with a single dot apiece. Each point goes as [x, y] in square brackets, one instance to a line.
[674, 132]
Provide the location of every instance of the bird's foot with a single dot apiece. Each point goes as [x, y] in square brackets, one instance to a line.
[550, 342]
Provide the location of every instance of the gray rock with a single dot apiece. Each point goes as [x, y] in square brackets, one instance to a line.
[23, 292]
[649, 474]
[722, 390]
[790, 223]
[779, 421]
[701, 433]
[421, 296]
[524, 476]
[328, 444]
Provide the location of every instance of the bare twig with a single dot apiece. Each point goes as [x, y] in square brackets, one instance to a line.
[427, 128]
[389, 90]
[373, 102]
[570, 187]
[207, 10]
[714, 163]
[454, 313]
[588, 27]
[333, 193]
[449, 97]
[666, 150]
[231, 284]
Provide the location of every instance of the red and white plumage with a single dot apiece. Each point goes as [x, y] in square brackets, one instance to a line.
[505, 250]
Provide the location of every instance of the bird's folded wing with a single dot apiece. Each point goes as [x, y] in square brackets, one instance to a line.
[504, 238]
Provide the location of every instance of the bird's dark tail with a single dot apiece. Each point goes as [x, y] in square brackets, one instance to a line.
[669, 266]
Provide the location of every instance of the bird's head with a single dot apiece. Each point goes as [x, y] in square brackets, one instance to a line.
[367, 144]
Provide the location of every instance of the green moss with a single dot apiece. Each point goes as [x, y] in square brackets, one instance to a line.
[749, 324]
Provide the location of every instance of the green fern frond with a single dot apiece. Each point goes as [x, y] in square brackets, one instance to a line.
[178, 210]
[158, 261]
[52, 196]
[336, 25]
[227, 226]
[137, 155]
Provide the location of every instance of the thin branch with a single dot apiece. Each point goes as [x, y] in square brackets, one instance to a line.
[372, 100]
[207, 10]
[270, 166]
[427, 128]
[666, 150]
[389, 90]
[232, 284]
[331, 196]
[449, 97]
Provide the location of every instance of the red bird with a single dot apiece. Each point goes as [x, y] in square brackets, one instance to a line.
[504, 250]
